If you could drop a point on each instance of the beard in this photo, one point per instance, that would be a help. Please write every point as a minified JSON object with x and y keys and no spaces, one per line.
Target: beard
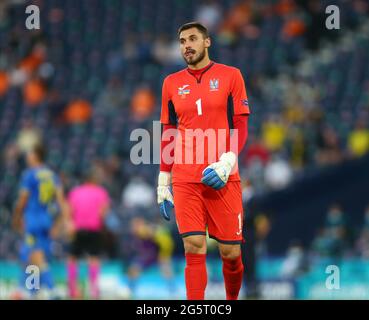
{"x":195,"y":58}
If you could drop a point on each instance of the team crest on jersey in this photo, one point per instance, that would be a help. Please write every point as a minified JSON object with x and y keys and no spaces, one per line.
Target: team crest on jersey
{"x":183,"y":91}
{"x":214,"y":84}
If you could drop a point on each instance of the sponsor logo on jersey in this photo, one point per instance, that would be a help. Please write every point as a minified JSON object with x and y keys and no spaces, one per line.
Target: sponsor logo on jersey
{"x":245,"y":102}
{"x":182,"y":91}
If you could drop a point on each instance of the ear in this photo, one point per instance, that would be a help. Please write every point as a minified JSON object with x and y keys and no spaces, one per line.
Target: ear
{"x":207,"y":42}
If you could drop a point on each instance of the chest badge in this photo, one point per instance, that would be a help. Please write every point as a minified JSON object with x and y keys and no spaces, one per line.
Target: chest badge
{"x":184,"y":90}
{"x":214,"y":84}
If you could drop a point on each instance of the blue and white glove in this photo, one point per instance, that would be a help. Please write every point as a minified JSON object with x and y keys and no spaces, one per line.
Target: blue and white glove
{"x":216,"y":175}
{"x":165,"y":197}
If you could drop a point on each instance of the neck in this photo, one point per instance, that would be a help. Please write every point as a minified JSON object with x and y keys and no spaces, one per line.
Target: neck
{"x":36,"y":164}
{"x":201,"y":64}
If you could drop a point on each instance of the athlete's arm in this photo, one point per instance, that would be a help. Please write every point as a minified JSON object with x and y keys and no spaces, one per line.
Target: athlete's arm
{"x":104,"y":211}
{"x":240,"y":123}
{"x":166,"y":156}
{"x":18,"y":210}
{"x":216,"y":175}
{"x":60,"y":199}
{"x":64,"y":217}
{"x":168,"y":119}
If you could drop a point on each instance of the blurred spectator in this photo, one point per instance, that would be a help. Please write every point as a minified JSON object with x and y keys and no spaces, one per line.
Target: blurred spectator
{"x":322,"y":244}
{"x":285,"y":7}
{"x":30,"y":63}
{"x":144,"y":47}
{"x":56,"y":106}
{"x":165,"y":243}
{"x":130,"y":47}
{"x":143,"y":103}
{"x":255,"y":159}
{"x":262,"y":229}
{"x":18,"y":77}
{"x":113,"y":97}
{"x":293,"y":27}
{"x":28,"y":136}
{"x":358,"y":139}
{"x":166,"y":52}
{"x":297,"y":147}
{"x":3,"y":7}
{"x":247,"y":190}
{"x":239,"y":16}
{"x":34,"y":92}
{"x":78,"y":111}
{"x":138,"y":193}
{"x":11,"y":155}
{"x":362,"y":243}
{"x":333,"y":239}
{"x":256,"y":151}
{"x":316,"y":23}
{"x":150,"y":244}
{"x":209,"y":14}
{"x":4,"y":83}
{"x":329,"y":150}
{"x":113,"y":175}
{"x":295,"y":262}
{"x":274,"y":133}
{"x":255,"y":172}
{"x":366,"y":218}
{"x":278,"y":173}
{"x":335,"y":217}
{"x":46,"y":71}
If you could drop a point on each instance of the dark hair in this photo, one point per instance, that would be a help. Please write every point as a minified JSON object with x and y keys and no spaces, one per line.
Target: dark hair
{"x":88,"y":175}
{"x":194,"y":24}
{"x":40,"y":151}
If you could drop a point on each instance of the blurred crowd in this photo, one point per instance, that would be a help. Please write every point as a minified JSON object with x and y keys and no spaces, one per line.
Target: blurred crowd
{"x":336,"y":239}
{"x":93,"y":73}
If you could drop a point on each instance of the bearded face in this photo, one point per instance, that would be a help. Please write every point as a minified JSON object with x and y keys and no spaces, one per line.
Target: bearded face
{"x":193,"y":57}
{"x":193,"y":46}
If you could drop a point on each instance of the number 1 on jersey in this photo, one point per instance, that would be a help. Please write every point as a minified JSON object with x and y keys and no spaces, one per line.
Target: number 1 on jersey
{"x":239,"y":224}
{"x":199,"y":109}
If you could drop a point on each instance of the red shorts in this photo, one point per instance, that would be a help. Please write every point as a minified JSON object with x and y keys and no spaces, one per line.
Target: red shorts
{"x":198,"y":206}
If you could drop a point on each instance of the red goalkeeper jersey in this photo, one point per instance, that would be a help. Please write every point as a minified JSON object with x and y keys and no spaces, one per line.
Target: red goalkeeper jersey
{"x":202,"y":105}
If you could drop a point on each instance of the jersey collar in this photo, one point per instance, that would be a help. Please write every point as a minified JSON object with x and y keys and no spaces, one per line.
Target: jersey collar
{"x":200,"y":72}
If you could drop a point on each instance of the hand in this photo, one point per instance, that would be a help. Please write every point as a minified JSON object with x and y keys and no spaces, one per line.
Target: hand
{"x":68,"y":229}
{"x":216,"y":175}
{"x":165,"y":197}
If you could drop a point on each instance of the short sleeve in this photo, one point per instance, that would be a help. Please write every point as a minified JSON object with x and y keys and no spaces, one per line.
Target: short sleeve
{"x":26,"y":181}
{"x":239,"y":95}
{"x":168,"y":115}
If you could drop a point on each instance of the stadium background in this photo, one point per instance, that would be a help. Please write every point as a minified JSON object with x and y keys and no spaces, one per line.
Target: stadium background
{"x":93,"y":73}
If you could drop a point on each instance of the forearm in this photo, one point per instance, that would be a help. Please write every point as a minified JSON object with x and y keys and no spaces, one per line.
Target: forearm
{"x":18,"y":211}
{"x":166,"y":158}
{"x":17,"y":216}
{"x":240,"y":123}
{"x":17,"y":219}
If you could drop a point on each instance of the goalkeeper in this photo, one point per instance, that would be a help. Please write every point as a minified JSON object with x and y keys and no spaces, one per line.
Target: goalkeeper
{"x":204,"y":188}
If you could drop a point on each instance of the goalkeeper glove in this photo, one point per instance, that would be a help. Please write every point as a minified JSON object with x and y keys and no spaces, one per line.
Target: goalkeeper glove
{"x":216,"y":175}
{"x":165,"y":197}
